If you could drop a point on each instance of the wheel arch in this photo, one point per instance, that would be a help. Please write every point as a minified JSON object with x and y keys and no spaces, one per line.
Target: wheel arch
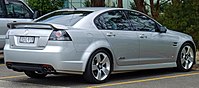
{"x":93,"y":48}
{"x":194,"y":48}
{"x":190,"y":42}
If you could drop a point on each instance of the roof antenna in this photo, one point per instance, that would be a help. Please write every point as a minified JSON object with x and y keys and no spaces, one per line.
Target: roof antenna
{"x":73,"y":6}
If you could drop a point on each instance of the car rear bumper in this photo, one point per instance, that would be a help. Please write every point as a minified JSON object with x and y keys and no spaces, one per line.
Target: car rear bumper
{"x":39,"y":68}
{"x":62,"y":59}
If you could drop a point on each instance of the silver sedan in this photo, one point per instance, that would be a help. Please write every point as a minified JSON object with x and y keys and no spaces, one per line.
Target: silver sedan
{"x":95,"y":42}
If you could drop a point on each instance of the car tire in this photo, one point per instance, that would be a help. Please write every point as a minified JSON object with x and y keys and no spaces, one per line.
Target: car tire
{"x":186,"y":57}
{"x":32,"y":74}
{"x":99,"y":67}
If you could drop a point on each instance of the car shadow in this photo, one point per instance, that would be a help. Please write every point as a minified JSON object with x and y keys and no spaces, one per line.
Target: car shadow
{"x":77,"y":80}
{"x":144,"y":74}
{"x":1,"y":61}
{"x":1,"y":58}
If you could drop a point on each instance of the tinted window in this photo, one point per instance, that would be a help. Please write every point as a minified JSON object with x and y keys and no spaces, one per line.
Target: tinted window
{"x":112,"y":20}
{"x":67,"y":18}
{"x":141,"y":22}
{"x":17,"y":10}
{"x":2,"y":13}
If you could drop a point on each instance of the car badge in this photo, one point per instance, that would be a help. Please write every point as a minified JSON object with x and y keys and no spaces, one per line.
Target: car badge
{"x":26,"y":32}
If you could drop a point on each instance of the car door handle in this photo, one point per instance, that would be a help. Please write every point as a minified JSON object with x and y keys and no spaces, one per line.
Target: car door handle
{"x":143,"y":36}
{"x":110,"y":34}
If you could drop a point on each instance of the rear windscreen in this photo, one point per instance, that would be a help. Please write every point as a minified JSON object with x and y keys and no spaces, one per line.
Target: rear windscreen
{"x":67,"y":18}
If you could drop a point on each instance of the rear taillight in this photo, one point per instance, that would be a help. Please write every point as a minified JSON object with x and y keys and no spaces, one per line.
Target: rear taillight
{"x":60,"y":35}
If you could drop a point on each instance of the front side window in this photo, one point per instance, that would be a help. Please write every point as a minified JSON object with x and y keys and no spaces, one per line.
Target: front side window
{"x":17,"y":10}
{"x":141,"y":22}
{"x":67,"y":18}
{"x":112,"y":20}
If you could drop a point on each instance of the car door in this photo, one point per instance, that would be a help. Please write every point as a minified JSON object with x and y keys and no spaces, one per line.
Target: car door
{"x":155,"y":47}
{"x":2,"y":26}
{"x":13,"y":11}
{"x":121,"y":37}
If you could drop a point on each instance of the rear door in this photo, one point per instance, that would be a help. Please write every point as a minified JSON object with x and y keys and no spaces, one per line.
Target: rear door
{"x":13,"y":11}
{"x":121,"y":37}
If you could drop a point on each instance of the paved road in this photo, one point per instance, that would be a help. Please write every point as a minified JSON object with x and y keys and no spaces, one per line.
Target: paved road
{"x":157,"y":78}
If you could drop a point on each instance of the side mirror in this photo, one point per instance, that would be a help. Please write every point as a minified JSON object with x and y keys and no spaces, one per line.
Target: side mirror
{"x":36,"y":14}
{"x":163,"y":29}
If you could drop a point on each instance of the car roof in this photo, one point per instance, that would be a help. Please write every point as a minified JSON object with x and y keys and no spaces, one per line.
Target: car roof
{"x":91,"y":9}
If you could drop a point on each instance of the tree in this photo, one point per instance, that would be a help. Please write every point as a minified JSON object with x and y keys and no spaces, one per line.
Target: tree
{"x":154,"y":6}
{"x":155,"y":9}
{"x":97,"y":3}
{"x":140,"y":6}
{"x":87,"y":3}
{"x":175,"y":2}
{"x":182,"y":16}
{"x":45,"y":6}
{"x":120,"y":4}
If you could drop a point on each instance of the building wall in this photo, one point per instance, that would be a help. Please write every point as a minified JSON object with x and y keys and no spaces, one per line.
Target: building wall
{"x":108,"y":3}
{"x":80,"y":3}
{"x":75,"y":3}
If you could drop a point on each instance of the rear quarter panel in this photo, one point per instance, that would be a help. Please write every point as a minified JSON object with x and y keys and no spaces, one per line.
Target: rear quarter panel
{"x":86,"y":42}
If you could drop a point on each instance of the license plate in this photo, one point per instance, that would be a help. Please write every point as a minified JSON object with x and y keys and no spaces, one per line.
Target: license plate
{"x":27,"y":39}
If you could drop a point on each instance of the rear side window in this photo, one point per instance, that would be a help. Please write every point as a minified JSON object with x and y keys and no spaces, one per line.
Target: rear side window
{"x":112,"y":20}
{"x":67,"y":18}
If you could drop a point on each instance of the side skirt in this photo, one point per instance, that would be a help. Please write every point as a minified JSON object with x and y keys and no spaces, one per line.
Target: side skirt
{"x":145,"y":66}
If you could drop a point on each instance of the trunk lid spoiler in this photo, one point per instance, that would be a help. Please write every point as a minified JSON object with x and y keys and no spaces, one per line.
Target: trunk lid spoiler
{"x":35,"y":25}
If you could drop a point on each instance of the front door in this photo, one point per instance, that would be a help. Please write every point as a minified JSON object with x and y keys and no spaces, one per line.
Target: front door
{"x":155,"y":47}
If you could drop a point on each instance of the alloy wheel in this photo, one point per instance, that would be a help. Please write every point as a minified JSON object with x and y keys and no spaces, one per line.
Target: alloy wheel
{"x":101,"y":66}
{"x":187,"y":57}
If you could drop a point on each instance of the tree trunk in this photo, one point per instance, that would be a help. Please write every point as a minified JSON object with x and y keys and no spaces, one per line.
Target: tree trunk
{"x":155,"y":10}
{"x":97,"y":3}
{"x":140,"y":5}
{"x":156,"y":14}
{"x":152,"y":8}
{"x":120,"y":4}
